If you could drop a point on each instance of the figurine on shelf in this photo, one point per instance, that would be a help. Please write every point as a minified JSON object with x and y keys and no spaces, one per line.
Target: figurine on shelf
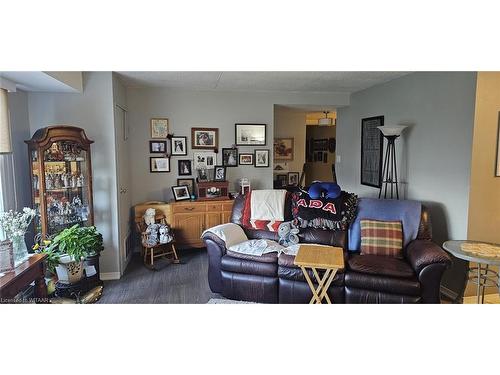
{"x":74,"y":181}
{"x":49,"y":181}
{"x":79,"y":181}
{"x":57,"y":181}
{"x":54,"y":153}
{"x":66,"y":180}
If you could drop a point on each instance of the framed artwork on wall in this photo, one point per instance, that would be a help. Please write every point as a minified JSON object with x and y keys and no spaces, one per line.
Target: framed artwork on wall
{"x":184,"y":168}
{"x":159,"y":128}
{"x":205,"y":160}
{"x":246,"y":159}
{"x":230,"y":157}
{"x":189,"y":182}
{"x":204,"y":138}
{"x":320,"y":145}
{"x":283,"y":148}
{"x":261,"y":158}
{"x":157,"y":147}
{"x":372,"y":144}
{"x":250,"y":134}
{"x":159,"y":165}
{"x":219,"y":173}
{"x":179,"y":146}
{"x":293,"y":178}
{"x":282,"y":180}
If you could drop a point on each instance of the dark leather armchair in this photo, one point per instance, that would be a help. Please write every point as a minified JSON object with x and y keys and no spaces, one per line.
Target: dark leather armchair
{"x":366,"y":279}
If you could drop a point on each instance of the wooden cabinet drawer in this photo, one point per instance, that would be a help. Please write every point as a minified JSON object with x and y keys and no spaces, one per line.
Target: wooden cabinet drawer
{"x":187,"y":208}
{"x":211,"y":207}
{"x":227,"y":206}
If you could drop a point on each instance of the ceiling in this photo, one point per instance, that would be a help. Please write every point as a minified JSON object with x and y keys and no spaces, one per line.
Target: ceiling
{"x":260,"y":81}
{"x":37,"y":82}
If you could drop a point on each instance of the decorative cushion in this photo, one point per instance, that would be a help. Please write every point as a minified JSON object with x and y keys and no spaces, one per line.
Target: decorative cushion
{"x":380,"y":265}
{"x":381,"y":238}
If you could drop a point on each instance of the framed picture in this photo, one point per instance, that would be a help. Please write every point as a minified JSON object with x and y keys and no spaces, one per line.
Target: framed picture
{"x":320,"y":156}
{"x":250,"y":134}
{"x":157,"y":147}
{"x":189,"y":182}
{"x":159,"y":165}
{"x":181,"y":193}
{"x":372,"y":144}
{"x":325,"y":157}
{"x":205,"y":160}
{"x":219,"y":173}
{"x":159,"y":128}
{"x":204,"y":138}
{"x":179,"y":146}
{"x":184,"y":168}
{"x":332,"y":145}
{"x":230,"y":157}
{"x":283,"y":148}
{"x":282,"y":180}
{"x":293,"y":178}
{"x":320,"y":145}
{"x":202,"y":175}
{"x":246,"y":159}
{"x":261,"y":158}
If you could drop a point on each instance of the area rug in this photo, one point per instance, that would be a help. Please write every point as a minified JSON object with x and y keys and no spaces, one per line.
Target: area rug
{"x":223,"y":301}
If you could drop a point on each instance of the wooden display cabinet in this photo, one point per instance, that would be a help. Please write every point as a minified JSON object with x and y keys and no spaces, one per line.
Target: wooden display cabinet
{"x":61,"y":179}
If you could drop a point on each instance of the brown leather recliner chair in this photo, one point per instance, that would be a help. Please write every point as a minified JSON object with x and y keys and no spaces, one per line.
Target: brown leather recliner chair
{"x":366,"y":278}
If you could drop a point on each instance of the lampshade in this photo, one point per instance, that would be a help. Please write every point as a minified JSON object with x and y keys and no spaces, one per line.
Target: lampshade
{"x":392,"y":131}
{"x":5,"y":137}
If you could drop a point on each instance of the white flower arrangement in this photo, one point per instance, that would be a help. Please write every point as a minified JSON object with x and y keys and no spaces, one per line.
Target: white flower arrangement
{"x":15,"y":224}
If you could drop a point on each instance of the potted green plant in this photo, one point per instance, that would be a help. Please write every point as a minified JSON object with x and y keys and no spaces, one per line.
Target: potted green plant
{"x":68,"y":250}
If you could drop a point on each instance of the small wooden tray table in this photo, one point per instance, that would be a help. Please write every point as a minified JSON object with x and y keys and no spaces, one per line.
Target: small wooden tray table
{"x":328,"y":258}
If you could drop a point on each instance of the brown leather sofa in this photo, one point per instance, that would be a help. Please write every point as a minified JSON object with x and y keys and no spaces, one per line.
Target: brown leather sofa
{"x":366,"y":278}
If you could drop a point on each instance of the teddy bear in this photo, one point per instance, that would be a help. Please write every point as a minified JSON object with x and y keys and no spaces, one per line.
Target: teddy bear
{"x":288,"y":233}
{"x":165,"y":236}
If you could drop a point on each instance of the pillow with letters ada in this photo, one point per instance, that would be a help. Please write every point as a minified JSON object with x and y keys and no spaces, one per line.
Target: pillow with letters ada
{"x":381,"y":238}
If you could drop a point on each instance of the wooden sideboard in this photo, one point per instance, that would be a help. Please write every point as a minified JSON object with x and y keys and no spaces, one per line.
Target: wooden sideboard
{"x":189,"y":219}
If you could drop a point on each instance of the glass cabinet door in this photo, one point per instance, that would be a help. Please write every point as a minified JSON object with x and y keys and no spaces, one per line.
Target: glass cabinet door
{"x":66,"y":175}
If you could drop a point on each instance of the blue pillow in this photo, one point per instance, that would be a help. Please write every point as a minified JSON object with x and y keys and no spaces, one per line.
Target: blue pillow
{"x":331,"y":189}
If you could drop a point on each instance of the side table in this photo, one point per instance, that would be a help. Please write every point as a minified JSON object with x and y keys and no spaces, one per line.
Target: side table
{"x":33,"y":269}
{"x":471,"y":251}
{"x":327,"y":258}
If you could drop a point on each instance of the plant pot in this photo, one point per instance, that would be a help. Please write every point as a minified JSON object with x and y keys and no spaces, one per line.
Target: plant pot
{"x":69,"y":271}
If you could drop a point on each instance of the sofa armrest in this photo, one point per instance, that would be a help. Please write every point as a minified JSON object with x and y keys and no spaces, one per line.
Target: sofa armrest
{"x":220,"y":243}
{"x":422,"y":253}
{"x":216,"y":249}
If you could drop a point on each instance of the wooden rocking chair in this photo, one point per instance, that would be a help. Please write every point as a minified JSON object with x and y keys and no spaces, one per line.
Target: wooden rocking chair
{"x":150,"y":252}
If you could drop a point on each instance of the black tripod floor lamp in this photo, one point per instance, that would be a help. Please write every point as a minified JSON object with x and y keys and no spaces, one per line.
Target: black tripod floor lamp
{"x":390,"y":171}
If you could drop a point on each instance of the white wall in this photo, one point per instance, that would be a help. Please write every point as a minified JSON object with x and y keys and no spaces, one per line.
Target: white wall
{"x":435,"y":152}
{"x":187,"y":109}
{"x":93,"y":111}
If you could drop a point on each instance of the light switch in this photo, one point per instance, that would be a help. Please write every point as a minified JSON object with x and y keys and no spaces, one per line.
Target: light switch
{"x":337,"y":159}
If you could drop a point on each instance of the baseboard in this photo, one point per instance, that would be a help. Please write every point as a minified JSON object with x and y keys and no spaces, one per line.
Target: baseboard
{"x":110,"y":275}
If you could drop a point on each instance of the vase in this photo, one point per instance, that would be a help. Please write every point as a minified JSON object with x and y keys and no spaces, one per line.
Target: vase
{"x":20,"y":249}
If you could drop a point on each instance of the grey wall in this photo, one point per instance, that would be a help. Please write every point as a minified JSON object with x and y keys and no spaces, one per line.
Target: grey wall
{"x":93,"y":111}
{"x":434,"y":153}
{"x":213,"y":109}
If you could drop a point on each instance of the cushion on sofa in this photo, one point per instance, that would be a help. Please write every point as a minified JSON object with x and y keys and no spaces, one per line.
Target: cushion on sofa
{"x":381,"y":283}
{"x":381,"y":238}
{"x":380,"y":265}
{"x":248,"y":266}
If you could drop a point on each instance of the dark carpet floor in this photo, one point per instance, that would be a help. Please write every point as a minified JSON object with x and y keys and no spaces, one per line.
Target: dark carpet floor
{"x":172,"y":283}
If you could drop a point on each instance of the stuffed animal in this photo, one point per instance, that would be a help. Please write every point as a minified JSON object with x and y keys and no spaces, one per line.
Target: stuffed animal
{"x":152,"y":234}
{"x":149,"y":216}
{"x":165,"y":236}
{"x":288,"y":233}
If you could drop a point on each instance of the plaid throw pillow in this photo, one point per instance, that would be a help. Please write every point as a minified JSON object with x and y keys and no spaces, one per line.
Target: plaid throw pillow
{"x":382,"y":238}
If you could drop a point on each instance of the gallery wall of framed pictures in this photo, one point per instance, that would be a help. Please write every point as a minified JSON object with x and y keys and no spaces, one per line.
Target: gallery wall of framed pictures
{"x":203,"y":165}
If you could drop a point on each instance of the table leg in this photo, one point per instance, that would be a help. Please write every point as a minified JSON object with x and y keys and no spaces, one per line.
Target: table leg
{"x":327,"y":285}
{"x":321,"y":285}
{"x":478,"y":283}
{"x":315,"y":297}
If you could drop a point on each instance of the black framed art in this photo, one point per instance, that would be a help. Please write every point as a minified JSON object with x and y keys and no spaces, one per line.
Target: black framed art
{"x":230,"y":157}
{"x":184,"y":167}
{"x":372,"y":146}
